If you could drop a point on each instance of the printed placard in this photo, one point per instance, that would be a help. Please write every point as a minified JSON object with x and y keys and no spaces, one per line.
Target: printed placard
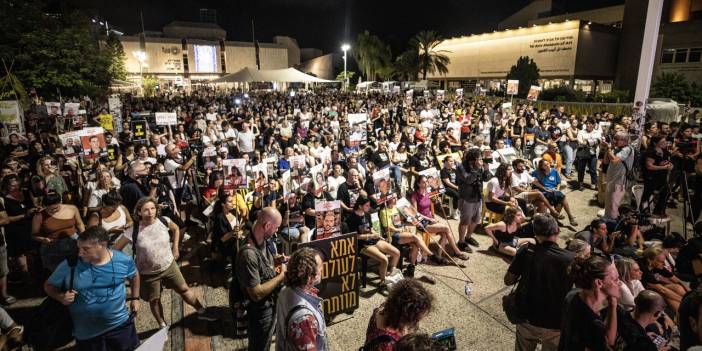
{"x":434,"y":183}
{"x":138,"y":130}
{"x":235,"y":173}
{"x":166,"y":118}
{"x":512,"y":87}
{"x":339,"y":288}
{"x":383,"y":186}
{"x":93,"y":142}
{"x":260,"y":174}
{"x":533,"y":94}
{"x":328,"y":219}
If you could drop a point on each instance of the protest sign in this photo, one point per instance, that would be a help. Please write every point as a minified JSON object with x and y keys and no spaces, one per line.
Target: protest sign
{"x":434,"y":183}
{"x":383,"y":186}
{"x":115,"y":108}
{"x":166,"y":118}
{"x":459,"y":93}
{"x":533,"y":94}
{"x":440,"y":95}
{"x":235,"y":173}
{"x":339,"y":289}
{"x":512,"y":87}
{"x":11,"y":118}
{"x":298,"y":164}
{"x":138,"y":130}
{"x":356,"y":119}
{"x":53,"y":108}
{"x":93,"y":142}
{"x":285,"y":182}
{"x":72,"y":145}
{"x":328,"y":218}
{"x":260,"y":175}
{"x":318,"y":178}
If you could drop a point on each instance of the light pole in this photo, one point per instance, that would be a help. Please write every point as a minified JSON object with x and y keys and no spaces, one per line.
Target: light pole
{"x":141,"y":58}
{"x":345,"y":48}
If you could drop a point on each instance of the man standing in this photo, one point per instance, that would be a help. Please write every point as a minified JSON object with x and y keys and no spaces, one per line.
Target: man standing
{"x":471,"y":175}
{"x":300,"y":322}
{"x":620,"y":160}
{"x":544,"y":283}
{"x":258,"y":278}
{"x":96,"y":303}
{"x":134,"y":188}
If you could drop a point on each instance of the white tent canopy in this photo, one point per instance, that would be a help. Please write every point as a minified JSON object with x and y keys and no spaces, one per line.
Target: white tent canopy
{"x":288,"y":75}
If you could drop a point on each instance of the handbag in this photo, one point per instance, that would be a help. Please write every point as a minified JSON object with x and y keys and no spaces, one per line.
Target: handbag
{"x":511,"y":301}
{"x":583,"y":153}
{"x":52,"y":326}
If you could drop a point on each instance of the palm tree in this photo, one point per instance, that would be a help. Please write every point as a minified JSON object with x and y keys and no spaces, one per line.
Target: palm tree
{"x":407,"y":64}
{"x":430,"y":59}
{"x":372,"y":55}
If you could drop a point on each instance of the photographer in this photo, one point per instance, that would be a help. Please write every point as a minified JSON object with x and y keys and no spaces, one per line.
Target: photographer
{"x":620,"y":160}
{"x":137,"y":185}
{"x":470,"y":177}
{"x":588,"y":139}
{"x":164,"y":193}
{"x":176,"y":163}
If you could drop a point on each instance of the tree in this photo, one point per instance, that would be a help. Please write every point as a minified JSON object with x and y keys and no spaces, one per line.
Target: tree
{"x":407,"y":64}
{"x":115,"y":53}
{"x":57,"y":55}
{"x":526,"y":72}
{"x":430,"y":59}
{"x":371,"y":54}
{"x":341,"y":77}
{"x":671,"y":85}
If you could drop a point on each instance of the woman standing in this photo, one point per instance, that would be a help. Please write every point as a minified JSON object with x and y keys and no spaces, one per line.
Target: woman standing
{"x":503,"y":233}
{"x":655,"y":172}
{"x":571,"y":144}
{"x":225,"y":228}
{"x":20,"y":209}
{"x":56,"y":228}
{"x":47,"y":169}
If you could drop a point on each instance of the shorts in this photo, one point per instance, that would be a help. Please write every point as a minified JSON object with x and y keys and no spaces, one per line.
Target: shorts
{"x":554,"y":198}
{"x":4,"y":270}
{"x":150,"y":286}
{"x":123,"y":337}
{"x":512,"y":243}
{"x":395,"y":239}
{"x":470,"y":212}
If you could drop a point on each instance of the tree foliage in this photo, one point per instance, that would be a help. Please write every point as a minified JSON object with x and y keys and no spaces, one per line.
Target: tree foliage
{"x":57,"y":55}
{"x":341,"y":77}
{"x":429,"y":58}
{"x":407,"y":64}
{"x":372,"y":55}
{"x":672,"y":85}
{"x":527,"y":72}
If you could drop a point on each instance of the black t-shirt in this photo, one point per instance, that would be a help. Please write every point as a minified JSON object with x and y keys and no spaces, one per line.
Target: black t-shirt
{"x":419,"y":164}
{"x":448,"y":173}
{"x":358,"y":224}
{"x":582,"y":329}
{"x":346,"y":194}
{"x":657,"y":176}
{"x":308,"y":202}
{"x":131,"y":193}
{"x":381,"y":159}
{"x":654,"y":275}
{"x":547,"y":283}
{"x":556,"y":132}
{"x":633,"y":335}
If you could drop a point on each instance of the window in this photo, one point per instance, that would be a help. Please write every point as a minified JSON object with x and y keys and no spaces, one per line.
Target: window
{"x":695,"y":55}
{"x":667,"y":56}
{"x":680,"y":55}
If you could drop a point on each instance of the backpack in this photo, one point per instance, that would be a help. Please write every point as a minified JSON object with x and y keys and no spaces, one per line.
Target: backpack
{"x":52,"y":326}
{"x":377,"y":341}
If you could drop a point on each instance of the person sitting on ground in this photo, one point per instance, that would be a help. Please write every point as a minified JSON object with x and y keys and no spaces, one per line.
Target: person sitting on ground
{"x":406,"y":305}
{"x":629,"y":281}
{"x":421,"y":200}
{"x":580,"y":248}
{"x":657,"y":278}
{"x":371,"y":244}
{"x":418,"y":342}
{"x":596,"y":236}
{"x":503,"y":232}
{"x":549,"y":182}
{"x":690,"y":320}
{"x":635,"y":327}
{"x":391,"y":221}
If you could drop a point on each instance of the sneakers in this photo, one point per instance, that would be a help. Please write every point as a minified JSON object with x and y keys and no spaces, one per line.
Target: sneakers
{"x":573,"y":222}
{"x":470,"y":240}
{"x":464,"y":247}
{"x":409,"y":271}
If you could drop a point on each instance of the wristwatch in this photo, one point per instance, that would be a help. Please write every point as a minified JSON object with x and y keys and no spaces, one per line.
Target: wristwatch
{"x":133,"y":298}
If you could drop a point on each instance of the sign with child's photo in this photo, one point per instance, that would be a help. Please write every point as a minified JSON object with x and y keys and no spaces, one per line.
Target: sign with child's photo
{"x":328,"y":219}
{"x":235,"y":173}
{"x":434,"y":183}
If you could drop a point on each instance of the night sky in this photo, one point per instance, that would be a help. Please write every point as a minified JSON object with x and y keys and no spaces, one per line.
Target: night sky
{"x":322,"y":24}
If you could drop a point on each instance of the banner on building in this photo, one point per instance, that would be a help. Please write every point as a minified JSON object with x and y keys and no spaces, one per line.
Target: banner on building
{"x":339,"y":288}
{"x":512,"y":87}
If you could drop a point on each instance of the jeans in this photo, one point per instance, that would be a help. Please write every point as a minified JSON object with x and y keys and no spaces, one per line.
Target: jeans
{"x":591,"y":164}
{"x":291,"y":233}
{"x":261,"y":326}
{"x":569,"y":156}
{"x":397,"y":174}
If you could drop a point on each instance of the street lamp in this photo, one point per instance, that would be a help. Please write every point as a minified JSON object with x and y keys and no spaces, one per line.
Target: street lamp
{"x":140,"y":56}
{"x":345,"y":48}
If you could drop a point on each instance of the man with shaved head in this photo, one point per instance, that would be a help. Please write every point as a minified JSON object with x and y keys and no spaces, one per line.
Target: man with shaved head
{"x":259,"y":279}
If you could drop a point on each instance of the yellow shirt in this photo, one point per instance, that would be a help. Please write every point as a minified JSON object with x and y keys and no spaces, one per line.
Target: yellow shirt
{"x":105,"y":121}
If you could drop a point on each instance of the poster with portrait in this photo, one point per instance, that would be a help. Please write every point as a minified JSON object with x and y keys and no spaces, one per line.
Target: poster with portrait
{"x":93,"y":142}
{"x":434,"y":183}
{"x":357,"y":120}
{"x":512,"y":87}
{"x":72,"y":145}
{"x":459,"y":93}
{"x":70,"y":109}
{"x":440,"y":95}
{"x":235,"y":173}
{"x":358,"y":138}
{"x":383,"y":186}
{"x":11,"y":118}
{"x":270,"y":163}
{"x":408,"y":211}
{"x":409,"y":96}
{"x":328,"y":219}
{"x":298,"y":165}
{"x":115,"y":107}
{"x":260,"y":176}
{"x":53,"y":109}
{"x":534,"y":92}
{"x":318,"y":178}
{"x":285,"y":183}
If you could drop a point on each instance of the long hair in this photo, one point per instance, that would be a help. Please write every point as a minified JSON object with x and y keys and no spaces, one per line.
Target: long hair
{"x":501,"y":175}
{"x":509,"y":215}
{"x":624,"y":266}
{"x":583,"y":272}
{"x":142,"y":202}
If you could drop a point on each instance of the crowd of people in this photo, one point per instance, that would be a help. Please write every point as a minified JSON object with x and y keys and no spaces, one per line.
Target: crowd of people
{"x":253,"y":168}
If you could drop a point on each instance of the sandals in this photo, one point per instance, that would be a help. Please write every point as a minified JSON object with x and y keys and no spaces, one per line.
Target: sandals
{"x":463,"y":256}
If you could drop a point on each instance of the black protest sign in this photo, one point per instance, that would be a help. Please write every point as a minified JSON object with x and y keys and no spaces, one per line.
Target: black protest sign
{"x":111,"y":153}
{"x":138,"y":130}
{"x":339,"y":287}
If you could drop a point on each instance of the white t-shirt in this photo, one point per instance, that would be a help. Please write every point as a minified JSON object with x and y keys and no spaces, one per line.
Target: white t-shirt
{"x":153,"y":248}
{"x":211,"y":116}
{"x":493,"y":186}
{"x":521,"y":180}
{"x":333,"y":184}
{"x":173,"y":166}
{"x":246,"y":142}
